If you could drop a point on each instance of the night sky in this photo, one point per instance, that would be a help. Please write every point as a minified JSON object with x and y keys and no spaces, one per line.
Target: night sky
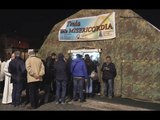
{"x":36,"y":24}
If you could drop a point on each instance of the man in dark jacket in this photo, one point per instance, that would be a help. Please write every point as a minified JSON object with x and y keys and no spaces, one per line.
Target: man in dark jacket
{"x":69,"y":92}
{"x":90,"y":68}
{"x":109,"y":73}
{"x":79,"y":73}
{"x":50,"y":77}
{"x":17,"y":70}
{"x":61,"y":79}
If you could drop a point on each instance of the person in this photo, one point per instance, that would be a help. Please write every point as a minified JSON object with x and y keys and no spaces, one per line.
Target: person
{"x":70,"y":80}
{"x":0,"y":65}
{"x":8,"y":86}
{"x":109,"y":73}
{"x":0,"y":62}
{"x":1,"y":80}
{"x":44,"y":88}
{"x":90,"y":68}
{"x":25,"y":91}
{"x":17,"y":70}
{"x":35,"y":71}
{"x":79,"y":73}
{"x":96,"y":80}
{"x":61,"y":79}
{"x":2,"y":74}
{"x":50,"y":77}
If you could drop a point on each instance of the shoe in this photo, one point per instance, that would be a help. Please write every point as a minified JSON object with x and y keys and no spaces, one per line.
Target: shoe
{"x":42,"y":92}
{"x":57,"y":103}
{"x":68,"y":100}
{"x":75,"y":99}
{"x":30,"y":107}
{"x":63,"y":103}
{"x":110,"y":97}
{"x":82,"y":100}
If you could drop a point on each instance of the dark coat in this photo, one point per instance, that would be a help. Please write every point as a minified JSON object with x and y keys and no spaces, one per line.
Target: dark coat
{"x":50,"y":63}
{"x":108,"y":74}
{"x":50,"y":69}
{"x":61,"y":70}
{"x":90,"y":66}
{"x":69,"y":62}
{"x":17,"y":70}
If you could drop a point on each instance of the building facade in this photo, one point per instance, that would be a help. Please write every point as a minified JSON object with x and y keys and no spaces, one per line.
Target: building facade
{"x":9,"y":44}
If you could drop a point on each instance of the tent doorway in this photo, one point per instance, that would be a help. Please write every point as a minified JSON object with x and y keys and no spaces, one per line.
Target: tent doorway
{"x":93,"y":53}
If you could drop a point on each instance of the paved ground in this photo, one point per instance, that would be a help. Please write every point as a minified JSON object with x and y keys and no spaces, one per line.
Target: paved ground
{"x":93,"y":104}
{"x":90,"y":105}
{"x":47,"y":107}
{"x":133,"y":104}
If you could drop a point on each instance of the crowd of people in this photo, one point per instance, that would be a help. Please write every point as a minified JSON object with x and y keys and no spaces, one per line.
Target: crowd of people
{"x":54,"y":79}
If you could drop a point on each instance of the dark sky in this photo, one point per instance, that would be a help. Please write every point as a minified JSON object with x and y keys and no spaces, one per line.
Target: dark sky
{"x":36,"y":24}
{"x":32,"y":24}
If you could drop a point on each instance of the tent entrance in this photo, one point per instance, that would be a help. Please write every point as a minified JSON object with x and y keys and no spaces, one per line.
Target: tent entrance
{"x":93,"y":53}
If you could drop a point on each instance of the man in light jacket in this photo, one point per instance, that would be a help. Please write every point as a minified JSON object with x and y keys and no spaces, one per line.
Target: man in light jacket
{"x":35,"y":71}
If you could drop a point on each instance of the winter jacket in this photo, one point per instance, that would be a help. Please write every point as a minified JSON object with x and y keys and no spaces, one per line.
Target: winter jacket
{"x":108,"y":74}
{"x":78,"y":68}
{"x":50,"y":69}
{"x":34,"y":66}
{"x":90,"y":66}
{"x":17,"y":70}
{"x":61,"y":70}
{"x":50,"y":64}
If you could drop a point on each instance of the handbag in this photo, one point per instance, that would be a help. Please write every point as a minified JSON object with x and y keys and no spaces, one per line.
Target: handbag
{"x":94,"y":75}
